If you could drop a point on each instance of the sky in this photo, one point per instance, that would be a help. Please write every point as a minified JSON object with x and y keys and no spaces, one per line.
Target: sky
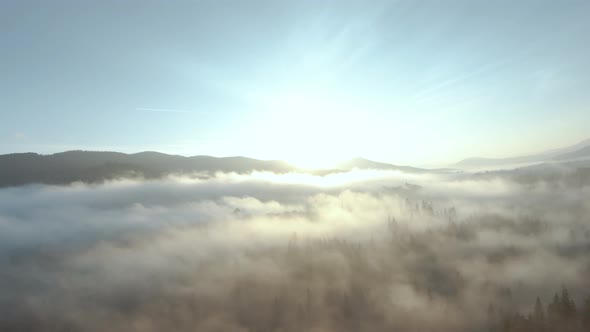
{"x":311,"y":82}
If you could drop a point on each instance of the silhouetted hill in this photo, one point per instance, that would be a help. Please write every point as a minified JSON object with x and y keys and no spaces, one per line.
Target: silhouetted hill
{"x":362,"y":163}
{"x":568,"y":173}
{"x":579,"y":150}
{"x":581,"y":153}
{"x":91,"y":166}
{"x":97,"y":166}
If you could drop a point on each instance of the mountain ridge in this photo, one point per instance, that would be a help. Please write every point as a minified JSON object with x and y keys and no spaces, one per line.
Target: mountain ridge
{"x":97,"y":166}
{"x":578,"y":150}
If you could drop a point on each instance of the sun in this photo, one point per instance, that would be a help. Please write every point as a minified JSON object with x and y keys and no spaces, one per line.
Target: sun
{"x":308,"y":131}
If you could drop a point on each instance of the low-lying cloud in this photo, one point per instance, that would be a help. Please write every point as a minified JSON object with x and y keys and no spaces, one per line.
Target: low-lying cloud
{"x":356,"y":251}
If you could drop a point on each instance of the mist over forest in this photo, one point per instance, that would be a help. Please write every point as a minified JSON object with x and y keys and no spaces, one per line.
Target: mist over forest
{"x":294,"y":166}
{"x":357,"y":250}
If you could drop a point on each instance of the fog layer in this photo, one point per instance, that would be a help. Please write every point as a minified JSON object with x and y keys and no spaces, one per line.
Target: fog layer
{"x":355,"y":251}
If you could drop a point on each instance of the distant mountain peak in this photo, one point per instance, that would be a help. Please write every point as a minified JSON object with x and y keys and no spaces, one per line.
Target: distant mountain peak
{"x":363,"y":163}
{"x":578,"y":150}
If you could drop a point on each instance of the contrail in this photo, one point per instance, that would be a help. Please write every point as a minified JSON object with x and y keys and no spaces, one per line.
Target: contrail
{"x":164,"y":110}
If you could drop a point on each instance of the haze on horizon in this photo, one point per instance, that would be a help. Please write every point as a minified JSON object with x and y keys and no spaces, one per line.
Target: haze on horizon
{"x":406,"y":82}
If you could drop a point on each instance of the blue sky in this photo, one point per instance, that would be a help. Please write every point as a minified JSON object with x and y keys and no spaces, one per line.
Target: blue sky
{"x":411,"y":82}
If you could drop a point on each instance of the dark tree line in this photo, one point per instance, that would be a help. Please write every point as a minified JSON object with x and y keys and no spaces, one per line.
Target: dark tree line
{"x":560,"y":314}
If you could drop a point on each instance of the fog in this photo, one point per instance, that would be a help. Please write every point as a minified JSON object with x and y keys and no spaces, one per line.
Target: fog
{"x":355,"y":251}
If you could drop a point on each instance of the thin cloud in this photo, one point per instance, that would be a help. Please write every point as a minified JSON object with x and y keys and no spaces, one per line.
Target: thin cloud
{"x":164,"y":110}
{"x":20,"y":136}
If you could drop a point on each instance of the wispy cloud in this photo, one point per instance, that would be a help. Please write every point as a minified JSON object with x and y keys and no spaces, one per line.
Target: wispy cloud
{"x":165,"y":110}
{"x":19,"y":136}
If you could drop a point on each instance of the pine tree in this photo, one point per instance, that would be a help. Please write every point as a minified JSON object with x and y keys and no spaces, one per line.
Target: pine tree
{"x":539,"y":315}
{"x":492,"y":318}
{"x":553,"y":315}
{"x":567,"y":305}
{"x":585,"y":314}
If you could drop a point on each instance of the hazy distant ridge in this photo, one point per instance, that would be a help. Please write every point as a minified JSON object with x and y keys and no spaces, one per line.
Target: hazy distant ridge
{"x":94,"y":166}
{"x":576,"y":151}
